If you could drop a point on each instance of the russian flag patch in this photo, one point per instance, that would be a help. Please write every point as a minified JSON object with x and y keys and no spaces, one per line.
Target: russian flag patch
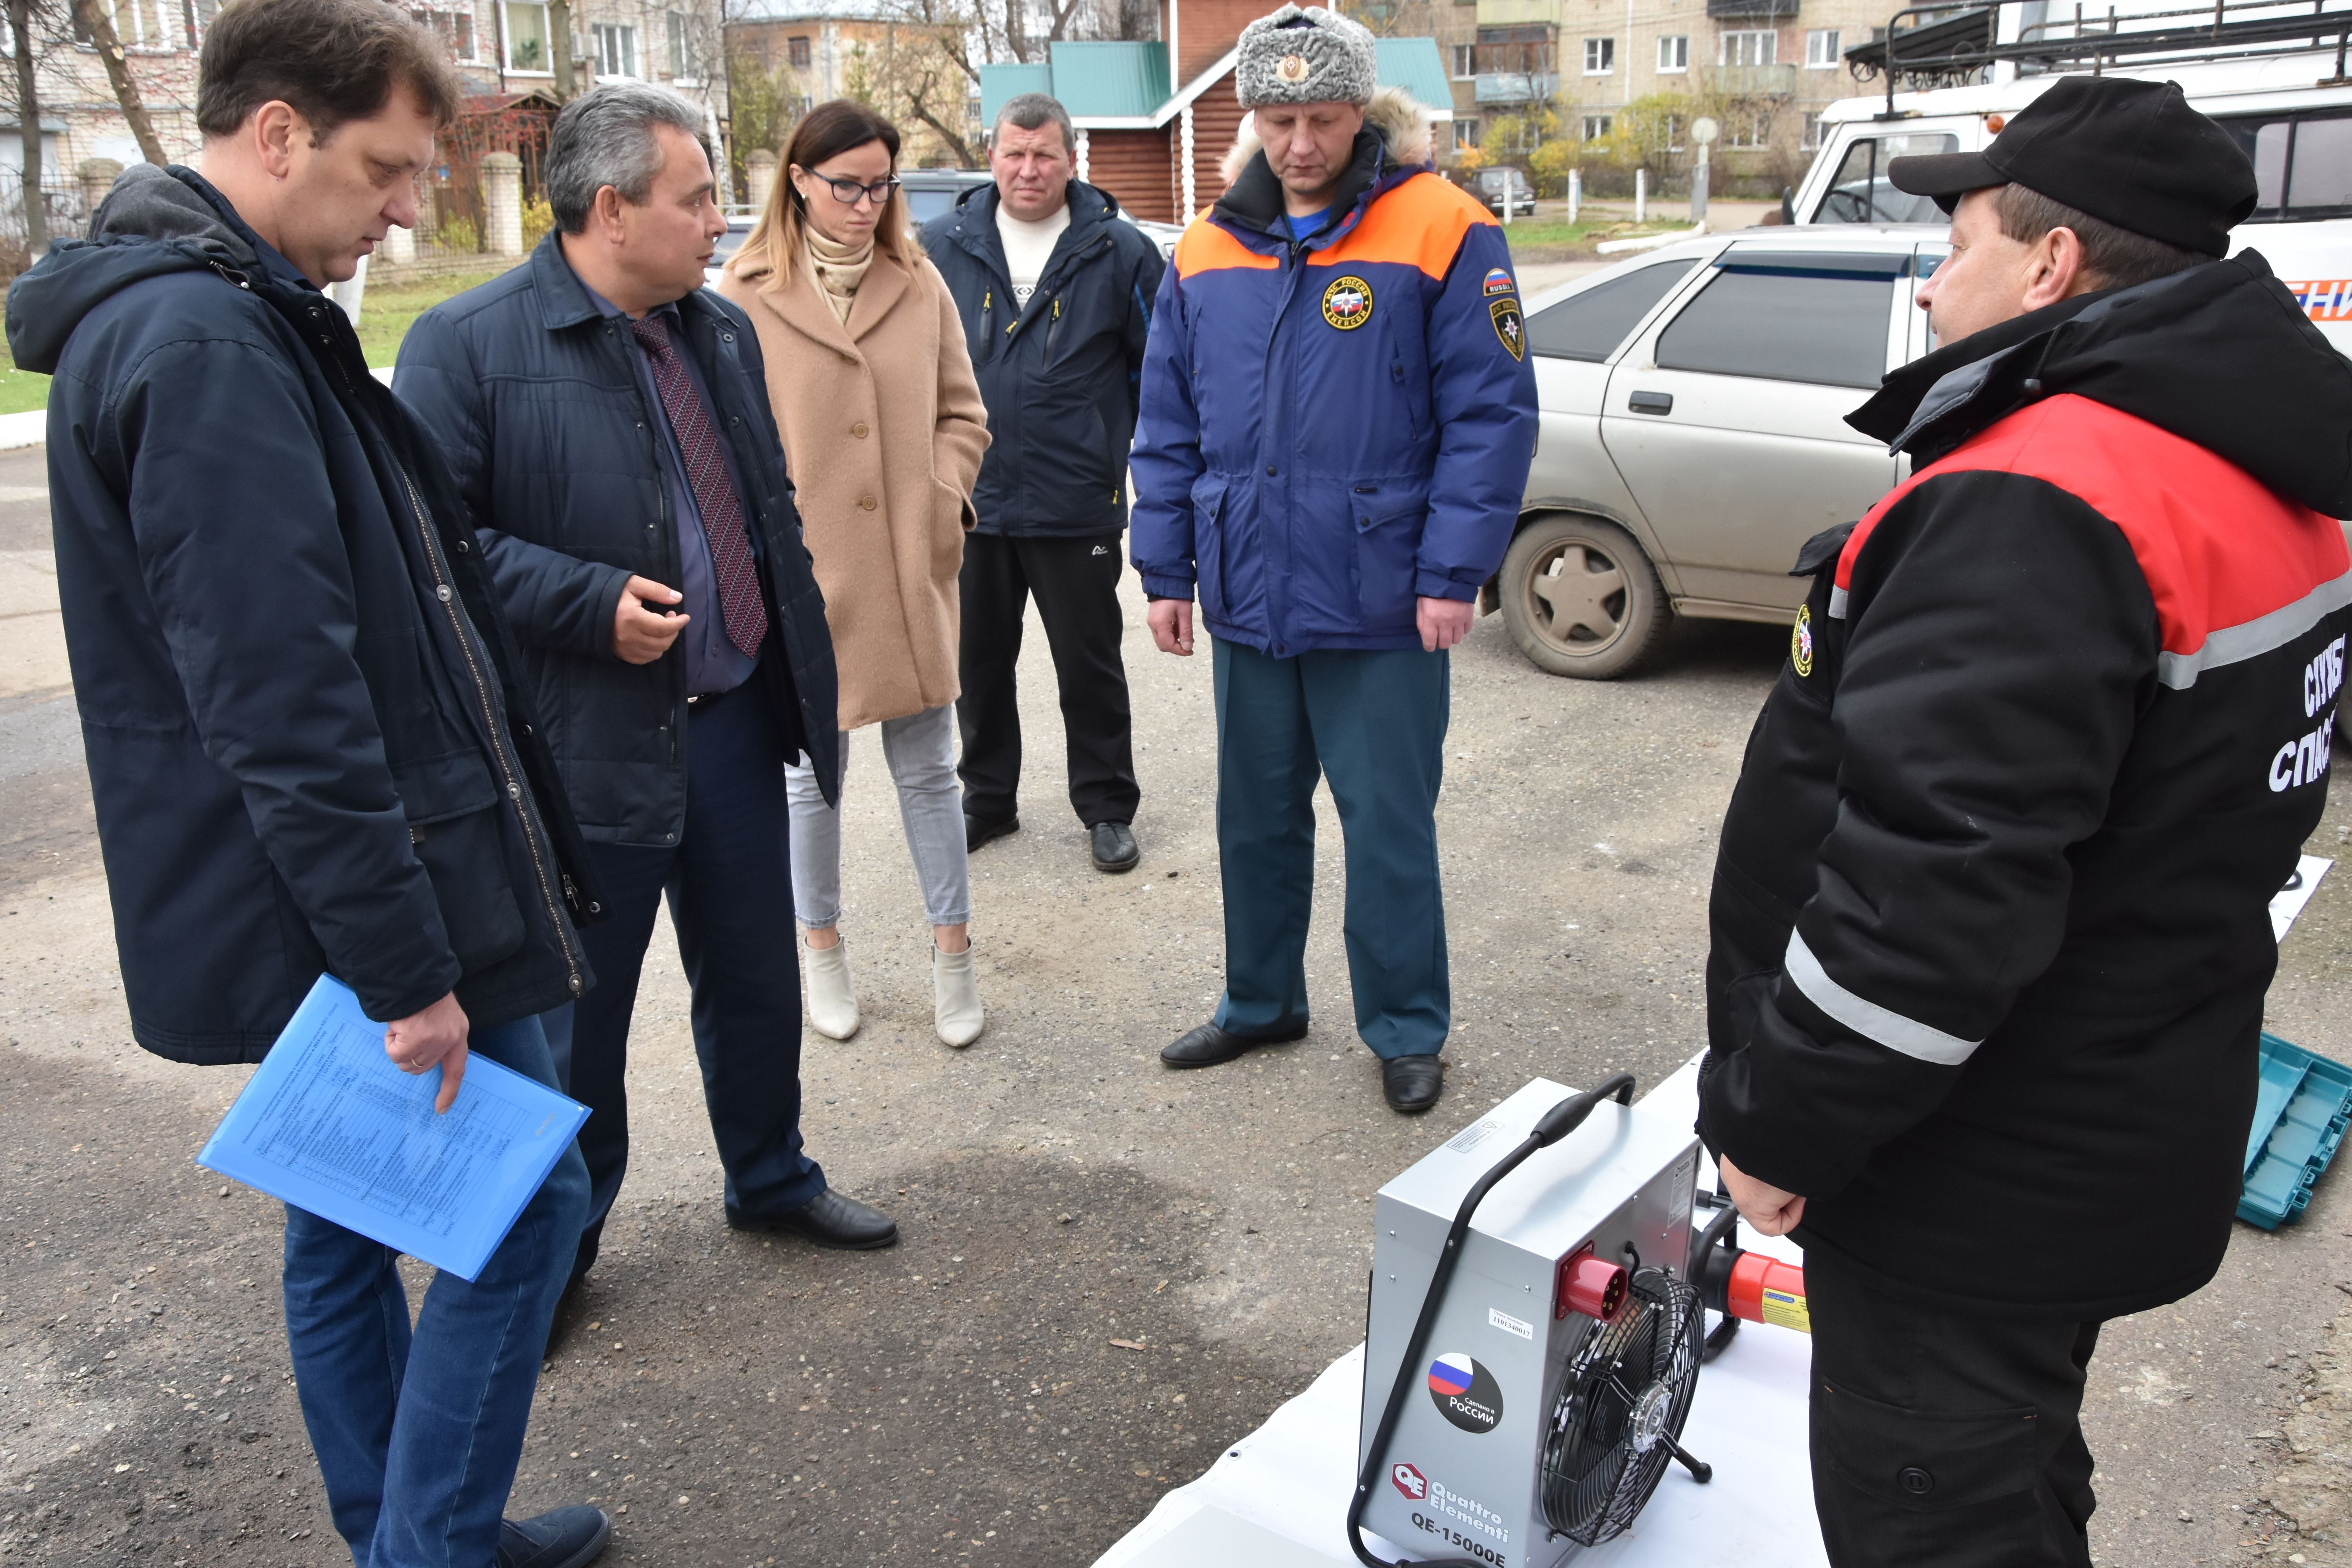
{"x":1499,"y":282}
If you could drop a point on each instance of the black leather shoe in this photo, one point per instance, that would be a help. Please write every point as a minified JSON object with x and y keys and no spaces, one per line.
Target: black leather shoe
{"x":832,"y":1220}
{"x":977,"y":833}
{"x":1207,"y":1044}
{"x":566,"y":1538}
{"x":1412,"y":1083}
{"x":1115,"y":847}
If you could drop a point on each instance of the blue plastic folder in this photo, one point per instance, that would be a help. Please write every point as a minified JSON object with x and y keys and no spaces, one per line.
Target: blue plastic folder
{"x":328,"y":1124}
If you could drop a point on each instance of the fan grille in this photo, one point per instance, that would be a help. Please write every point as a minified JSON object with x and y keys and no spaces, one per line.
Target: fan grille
{"x":1631,"y":1380}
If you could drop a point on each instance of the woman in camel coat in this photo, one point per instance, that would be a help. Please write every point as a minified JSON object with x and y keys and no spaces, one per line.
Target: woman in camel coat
{"x":883,"y":429}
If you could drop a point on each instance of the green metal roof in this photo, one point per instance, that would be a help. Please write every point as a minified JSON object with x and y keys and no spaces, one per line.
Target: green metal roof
{"x":1000,"y":83}
{"x":1122,"y":80}
{"x":1112,"y":77}
{"x":1415,"y":64}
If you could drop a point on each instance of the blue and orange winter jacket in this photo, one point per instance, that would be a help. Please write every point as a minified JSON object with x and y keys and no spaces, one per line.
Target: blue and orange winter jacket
{"x":1332,"y":430}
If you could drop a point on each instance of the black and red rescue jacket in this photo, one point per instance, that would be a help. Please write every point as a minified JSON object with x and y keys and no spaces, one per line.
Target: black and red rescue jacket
{"x":1989,"y":921}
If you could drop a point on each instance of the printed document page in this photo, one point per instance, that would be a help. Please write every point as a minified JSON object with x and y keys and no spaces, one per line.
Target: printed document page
{"x":329,"y":1124}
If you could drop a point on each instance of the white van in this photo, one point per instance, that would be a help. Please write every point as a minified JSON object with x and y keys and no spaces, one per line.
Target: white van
{"x":2297,"y":132}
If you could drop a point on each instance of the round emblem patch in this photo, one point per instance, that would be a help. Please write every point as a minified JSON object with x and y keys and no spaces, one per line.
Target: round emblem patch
{"x":1348,"y":303}
{"x":1291,"y":68}
{"x":1800,"y":642}
{"x":1465,"y":1393}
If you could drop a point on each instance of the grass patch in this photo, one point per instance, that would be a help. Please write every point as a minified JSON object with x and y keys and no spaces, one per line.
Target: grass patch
{"x":1557,"y":239}
{"x":21,"y":391}
{"x":386,"y":312}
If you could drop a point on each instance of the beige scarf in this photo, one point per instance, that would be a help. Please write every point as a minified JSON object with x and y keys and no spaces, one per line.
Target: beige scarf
{"x":837,"y":271}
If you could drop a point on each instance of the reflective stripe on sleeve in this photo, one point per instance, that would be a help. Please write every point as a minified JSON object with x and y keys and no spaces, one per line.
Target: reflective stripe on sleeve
{"x":2233,"y":644}
{"x":1868,"y":1019}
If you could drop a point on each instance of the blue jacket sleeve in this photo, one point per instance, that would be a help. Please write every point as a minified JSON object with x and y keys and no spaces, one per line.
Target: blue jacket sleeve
{"x":1167,"y":460}
{"x":276,"y":695}
{"x":554,"y":601}
{"x":1483,"y":392}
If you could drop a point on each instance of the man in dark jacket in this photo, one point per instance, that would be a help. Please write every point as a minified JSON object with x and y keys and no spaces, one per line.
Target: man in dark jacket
{"x":606,"y":420}
{"x":1989,"y":940}
{"x":1055,"y":291}
{"x":307,"y":747}
{"x":1338,"y":415}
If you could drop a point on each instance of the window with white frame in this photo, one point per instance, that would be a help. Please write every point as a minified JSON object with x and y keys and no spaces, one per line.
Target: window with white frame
{"x":1674,"y":53}
{"x":1749,"y":48}
{"x":1597,"y":126}
{"x":1822,"y":48}
{"x":1464,"y":61}
{"x":681,"y":46}
{"x":1809,"y":139}
{"x":1467,"y":131}
{"x":617,"y":49}
{"x":1747,"y":130}
{"x":1599,"y":56}
{"x":454,"y":28}
{"x":526,"y":36}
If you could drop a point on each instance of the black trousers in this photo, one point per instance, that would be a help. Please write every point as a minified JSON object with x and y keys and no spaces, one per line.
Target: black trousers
{"x":1076,"y":584}
{"x":729,"y":887}
{"x":1945,"y":1441}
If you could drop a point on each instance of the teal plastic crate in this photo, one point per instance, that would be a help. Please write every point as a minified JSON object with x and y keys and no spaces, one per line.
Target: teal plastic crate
{"x":2300,"y":1114}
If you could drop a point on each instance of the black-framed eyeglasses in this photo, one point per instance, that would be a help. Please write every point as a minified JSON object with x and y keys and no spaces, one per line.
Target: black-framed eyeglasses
{"x":846,"y":191}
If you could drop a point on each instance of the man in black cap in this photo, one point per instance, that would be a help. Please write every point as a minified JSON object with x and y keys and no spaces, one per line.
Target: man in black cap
{"x":1990,"y":938}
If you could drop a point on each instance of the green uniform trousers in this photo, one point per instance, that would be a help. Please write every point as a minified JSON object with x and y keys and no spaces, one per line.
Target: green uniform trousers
{"x":1374,"y":724}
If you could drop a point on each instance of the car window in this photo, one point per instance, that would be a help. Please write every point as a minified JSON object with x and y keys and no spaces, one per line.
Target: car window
{"x":1788,"y":317}
{"x":1860,"y":192}
{"x":924,"y":203}
{"x":1590,"y":325}
{"x":2303,"y":162}
{"x":729,"y":243}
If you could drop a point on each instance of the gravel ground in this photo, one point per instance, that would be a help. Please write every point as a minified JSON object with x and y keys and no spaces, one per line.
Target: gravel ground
{"x":1109,"y":1271}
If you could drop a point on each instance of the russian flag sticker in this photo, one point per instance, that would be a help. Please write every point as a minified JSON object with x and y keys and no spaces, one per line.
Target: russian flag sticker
{"x":1498,"y":281}
{"x":1450,"y":1375}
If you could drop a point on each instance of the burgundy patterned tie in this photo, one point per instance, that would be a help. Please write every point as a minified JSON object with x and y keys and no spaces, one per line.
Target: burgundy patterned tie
{"x":714,"y":496}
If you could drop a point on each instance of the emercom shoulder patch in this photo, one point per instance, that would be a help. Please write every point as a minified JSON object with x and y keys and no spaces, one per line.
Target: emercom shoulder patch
{"x":1508,"y":326}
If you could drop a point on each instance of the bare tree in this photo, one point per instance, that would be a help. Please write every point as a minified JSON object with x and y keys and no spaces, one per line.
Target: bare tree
{"x":92,"y":20}
{"x":28,"y":123}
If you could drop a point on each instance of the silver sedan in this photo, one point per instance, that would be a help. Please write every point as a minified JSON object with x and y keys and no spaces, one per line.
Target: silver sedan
{"x":1694,"y":432}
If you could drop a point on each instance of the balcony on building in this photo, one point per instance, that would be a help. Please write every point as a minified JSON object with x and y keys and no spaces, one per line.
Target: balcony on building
{"x":1755,"y":82}
{"x":1516,"y":87}
{"x":1740,"y":10}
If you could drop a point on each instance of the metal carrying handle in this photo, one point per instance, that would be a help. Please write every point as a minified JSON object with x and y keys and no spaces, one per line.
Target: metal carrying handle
{"x":1556,"y":1124}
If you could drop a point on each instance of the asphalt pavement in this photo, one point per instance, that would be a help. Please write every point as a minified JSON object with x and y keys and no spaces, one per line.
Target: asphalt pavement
{"x":1109,"y":1272}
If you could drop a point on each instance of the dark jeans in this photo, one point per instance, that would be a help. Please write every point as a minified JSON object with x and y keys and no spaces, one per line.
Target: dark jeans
{"x":1374,"y":724}
{"x":1945,"y":1441}
{"x":1076,"y":584}
{"x":730,"y":898}
{"x":417,"y":1433}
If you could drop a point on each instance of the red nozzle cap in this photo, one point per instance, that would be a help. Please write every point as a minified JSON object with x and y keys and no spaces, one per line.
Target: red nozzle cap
{"x":1591,"y":1286}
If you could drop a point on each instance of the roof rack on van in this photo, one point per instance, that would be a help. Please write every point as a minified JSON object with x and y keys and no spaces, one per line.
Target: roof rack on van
{"x":1951,"y":45}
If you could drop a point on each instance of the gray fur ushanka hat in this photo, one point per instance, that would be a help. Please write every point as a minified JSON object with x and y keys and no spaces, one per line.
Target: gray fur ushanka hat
{"x":1306,"y":56}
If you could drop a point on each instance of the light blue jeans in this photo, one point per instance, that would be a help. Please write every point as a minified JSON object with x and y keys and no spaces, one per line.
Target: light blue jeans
{"x":922,"y":752}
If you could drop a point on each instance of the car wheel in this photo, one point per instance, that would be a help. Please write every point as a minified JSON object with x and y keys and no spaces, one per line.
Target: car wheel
{"x":1581,"y":598}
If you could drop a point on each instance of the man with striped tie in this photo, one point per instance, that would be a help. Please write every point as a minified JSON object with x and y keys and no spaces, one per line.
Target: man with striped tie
{"x":607,"y":421}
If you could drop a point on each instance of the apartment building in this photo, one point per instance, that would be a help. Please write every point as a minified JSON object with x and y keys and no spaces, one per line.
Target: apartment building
{"x":1763,"y":69}
{"x":506,"y":51}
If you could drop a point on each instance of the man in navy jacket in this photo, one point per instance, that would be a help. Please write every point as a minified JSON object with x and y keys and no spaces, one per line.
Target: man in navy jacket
{"x":308,"y":746}
{"x":1055,"y":288}
{"x":1335,"y":497}
{"x":606,"y":420}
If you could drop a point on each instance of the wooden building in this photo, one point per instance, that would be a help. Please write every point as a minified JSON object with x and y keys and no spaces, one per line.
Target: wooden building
{"x":1155,"y":120}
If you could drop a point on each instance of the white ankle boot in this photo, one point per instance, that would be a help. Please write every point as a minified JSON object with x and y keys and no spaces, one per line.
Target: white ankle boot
{"x":955,"y":997}
{"x":831,"y":1003}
